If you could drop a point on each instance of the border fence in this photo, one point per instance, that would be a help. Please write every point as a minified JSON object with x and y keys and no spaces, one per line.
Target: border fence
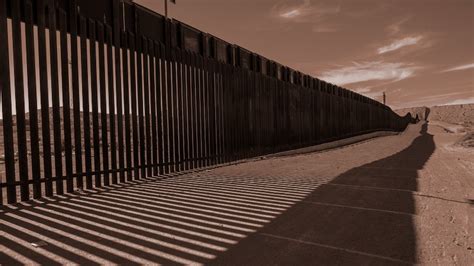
{"x":103,"y":92}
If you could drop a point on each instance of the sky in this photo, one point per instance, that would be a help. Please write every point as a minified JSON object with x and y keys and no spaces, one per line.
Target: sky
{"x":420,"y":52}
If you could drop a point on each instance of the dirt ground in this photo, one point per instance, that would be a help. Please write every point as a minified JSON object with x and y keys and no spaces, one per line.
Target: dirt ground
{"x":392,"y":200}
{"x":452,"y":118}
{"x":457,"y":116}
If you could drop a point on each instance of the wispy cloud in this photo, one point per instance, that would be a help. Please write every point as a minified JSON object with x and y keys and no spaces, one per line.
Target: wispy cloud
{"x":399,"y":44}
{"x":362,"y":90}
{"x":457,"y":68}
{"x":461,"y":101}
{"x":439,"y":99}
{"x":291,"y":11}
{"x":396,"y":27}
{"x":305,"y":11}
{"x":367,"y":71}
{"x":367,"y":91}
{"x":291,"y":14}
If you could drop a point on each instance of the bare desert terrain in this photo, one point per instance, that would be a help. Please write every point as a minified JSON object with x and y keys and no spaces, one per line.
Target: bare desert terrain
{"x":456,"y":119}
{"x":400,"y":199}
{"x":40,"y":136}
{"x":393,"y":200}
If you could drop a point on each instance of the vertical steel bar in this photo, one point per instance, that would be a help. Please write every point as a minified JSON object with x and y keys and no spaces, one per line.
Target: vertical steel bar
{"x":207,"y":101}
{"x":153,"y":110}
{"x":169,"y":108}
{"x":133,"y":91}
{"x":56,"y":103}
{"x":197,"y":110}
{"x":179,"y":110}
{"x":117,"y":17}
{"x":94,"y":97}
{"x":126,"y":103}
{"x":174,"y":113}
{"x":140,"y":105}
{"x":193,"y":117}
{"x":205,"y":109}
{"x":200,"y":112}
{"x":73,"y":20}
{"x":158,"y":99}
{"x":5,"y":91}
{"x":186,"y":109}
{"x":220,"y":100}
{"x":146,"y":106}
{"x":165,"y":75}
{"x":66,"y":102}
{"x":85,"y":102}
{"x":19,"y":99}
{"x":103,"y":104}
{"x":33,"y":106}
{"x":111,"y":103}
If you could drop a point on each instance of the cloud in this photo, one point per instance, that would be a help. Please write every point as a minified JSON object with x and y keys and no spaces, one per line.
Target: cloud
{"x":291,"y":14}
{"x":367,"y":91}
{"x":399,"y":44}
{"x":396,"y":27}
{"x":440,"y":99}
{"x":367,"y":71}
{"x":286,"y":11}
{"x":461,"y":101}
{"x":303,"y":12}
{"x":462,"y":67}
{"x":362,"y":90}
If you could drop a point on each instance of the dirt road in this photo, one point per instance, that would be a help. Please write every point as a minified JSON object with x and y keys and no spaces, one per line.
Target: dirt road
{"x":399,"y":199}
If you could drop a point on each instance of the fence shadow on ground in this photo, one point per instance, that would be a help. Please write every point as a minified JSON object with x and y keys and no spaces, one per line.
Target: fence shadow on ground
{"x":188,"y":219}
{"x":364,"y":215}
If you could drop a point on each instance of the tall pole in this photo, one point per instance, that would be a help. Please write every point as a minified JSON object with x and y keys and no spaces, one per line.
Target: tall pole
{"x":384,"y":98}
{"x":166,"y":8}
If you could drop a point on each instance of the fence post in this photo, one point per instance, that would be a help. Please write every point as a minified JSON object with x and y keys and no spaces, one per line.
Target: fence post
{"x":6,"y":108}
{"x":66,"y":103}
{"x":55,"y":97}
{"x":33,"y":106}
{"x":118,"y":86}
{"x":94,"y":97}
{"x":85,"y":102}
{"x":20,"y":99}
{"x":188,"y":108}
{"x":73,"y":21}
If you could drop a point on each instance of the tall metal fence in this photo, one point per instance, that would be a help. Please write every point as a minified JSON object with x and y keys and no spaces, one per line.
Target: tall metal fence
{"x":102,"y":92}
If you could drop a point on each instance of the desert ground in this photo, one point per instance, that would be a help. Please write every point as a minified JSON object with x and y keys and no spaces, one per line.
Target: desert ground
{"x":400,"y":199}
{"x":15,"y":142}
{"x":456,"y":119}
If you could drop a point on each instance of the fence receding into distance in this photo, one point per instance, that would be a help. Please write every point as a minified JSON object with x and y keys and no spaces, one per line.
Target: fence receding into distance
{"x":102,"y":92}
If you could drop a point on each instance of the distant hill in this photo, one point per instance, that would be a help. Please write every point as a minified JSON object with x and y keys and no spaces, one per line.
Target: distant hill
{"x":462,"y":114}
{"x":453,"y":118}
{"x":454,"y":114}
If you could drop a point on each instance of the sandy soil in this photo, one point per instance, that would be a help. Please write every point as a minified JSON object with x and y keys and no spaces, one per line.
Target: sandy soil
{"x":454,"y":114}
{"x":452,"y":118}
{"x":392,"y":200}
